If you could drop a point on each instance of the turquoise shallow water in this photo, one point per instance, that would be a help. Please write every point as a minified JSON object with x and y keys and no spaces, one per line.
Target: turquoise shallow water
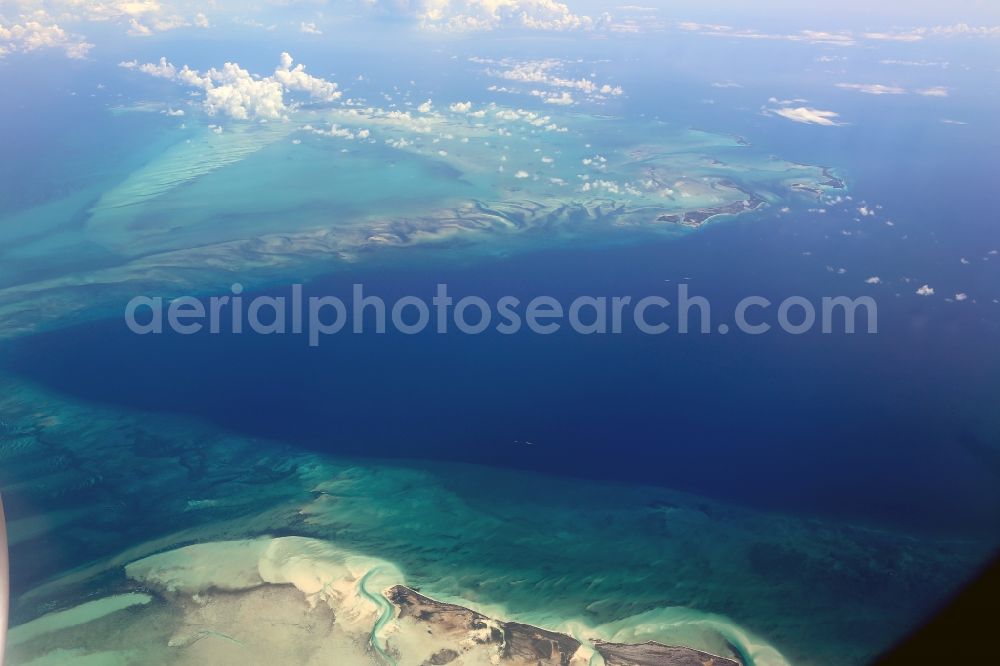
{"x":623,"y":561}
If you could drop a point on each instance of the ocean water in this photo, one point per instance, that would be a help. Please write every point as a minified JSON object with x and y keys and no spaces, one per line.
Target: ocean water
{"x":619,"y":561}
{"x":802,"y":499}
{"x":890,"y":427}
{"x":840,"y":458}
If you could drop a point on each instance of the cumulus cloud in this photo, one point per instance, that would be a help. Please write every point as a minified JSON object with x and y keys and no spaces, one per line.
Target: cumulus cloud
{"x":460,"y":107}
{"x":233,"y":91}
{"x":803,"y":114}
{"x":548,"y":73}
{"x":309,"y":28}
{"x":161,"y":69}
{"x":874,"y":280}
{"x":543,"y":72}
{"x":610,"y":187}
{"x":295,"y":78}
{"x":530,"y":117}
{"x":31,"y":35}
{"x":925,"y":290}
{"x":560,"y":99}
{"x":340,"y":132}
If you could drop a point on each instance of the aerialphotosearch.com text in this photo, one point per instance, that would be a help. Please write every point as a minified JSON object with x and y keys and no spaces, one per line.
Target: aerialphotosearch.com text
{"x":317,"y":317}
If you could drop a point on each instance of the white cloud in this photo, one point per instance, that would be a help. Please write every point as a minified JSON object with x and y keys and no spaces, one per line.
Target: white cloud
{"x":964,"y":29}
{"x":339,"y":132}
{"x":925,"y":290}
{"x":563,"y":99}
{"x":802,"y":114}
{"x":811,"y":36}
{"x":234,"y":92}
{"x":543,"y":72}
{"x":874,"y":280}
{"x":460,"y":107}
{"x":137,"y":29}
{"x":609,"y":186}
{"x":548,"y":73}
{"x":936,"y":91}
{"x":845,"y":38}
{"x":295,"y":78}
{"x":31,"y":35}
{"x":478,"y":15}
{"x":106,"y":10}
{"x":309,"y":28}
{"x":522,"y":174}
{"x":425,"y":107}
{"x":915,"y":63}
{"x":873,"y":88}
{"x":907,"y":36}
{"x":961,"y":296}
{"x":140,"y":17}
{"x":882,"y":89}
{"x":917,"y":34}
{"x":559,"y":99}
{"x":145,"y":18}
{"x":161,"y":69}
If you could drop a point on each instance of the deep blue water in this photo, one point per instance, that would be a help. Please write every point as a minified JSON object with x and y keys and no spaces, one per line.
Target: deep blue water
{"x":886,"y":428}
